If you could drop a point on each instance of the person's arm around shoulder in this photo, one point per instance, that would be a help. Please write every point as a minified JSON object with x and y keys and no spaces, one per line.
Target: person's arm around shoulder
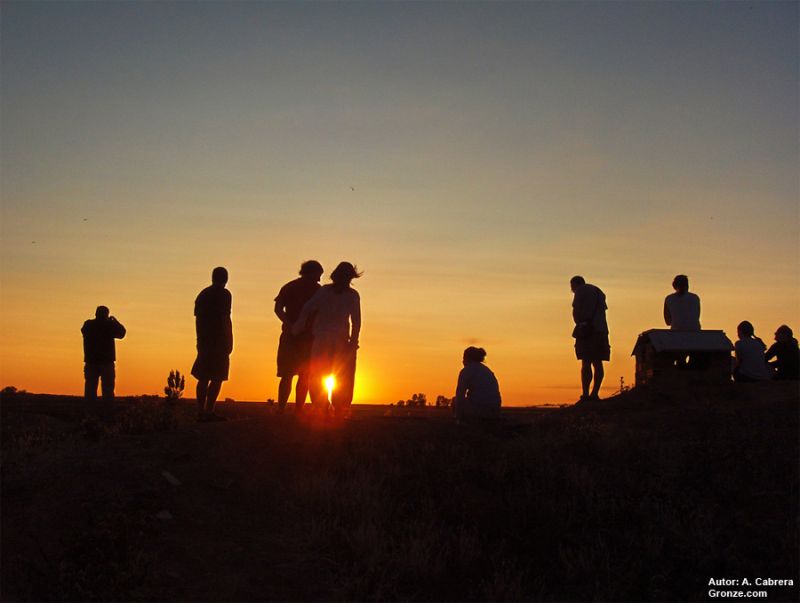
{"x":355,"y":318}
{"x":309,"y":307}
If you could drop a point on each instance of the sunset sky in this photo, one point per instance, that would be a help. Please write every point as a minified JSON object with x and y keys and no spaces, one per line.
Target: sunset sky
{"x":469,"y":157}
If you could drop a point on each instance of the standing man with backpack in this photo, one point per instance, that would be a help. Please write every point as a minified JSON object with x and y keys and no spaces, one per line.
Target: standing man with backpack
{"x":591,"y":335}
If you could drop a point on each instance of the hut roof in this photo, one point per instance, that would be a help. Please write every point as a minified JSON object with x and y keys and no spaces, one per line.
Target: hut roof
{"x":698,"y":341}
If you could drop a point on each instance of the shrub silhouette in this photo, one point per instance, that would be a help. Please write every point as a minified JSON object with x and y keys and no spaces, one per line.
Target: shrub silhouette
{"x":175,"y":384}
{"x":415,"y":400}
{"x":443,"y":401}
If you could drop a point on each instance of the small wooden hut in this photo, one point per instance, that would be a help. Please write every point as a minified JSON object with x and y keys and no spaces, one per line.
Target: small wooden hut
{"x":666,"y":357}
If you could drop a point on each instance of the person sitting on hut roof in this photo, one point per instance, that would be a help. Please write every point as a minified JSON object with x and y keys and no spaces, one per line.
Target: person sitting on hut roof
{"x":682,"y":309}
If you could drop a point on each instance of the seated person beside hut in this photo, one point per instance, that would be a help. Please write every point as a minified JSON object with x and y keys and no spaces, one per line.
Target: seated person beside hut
{"x":750,"y":363}
{"x":477,"y":391}
{"x":786,"y":352}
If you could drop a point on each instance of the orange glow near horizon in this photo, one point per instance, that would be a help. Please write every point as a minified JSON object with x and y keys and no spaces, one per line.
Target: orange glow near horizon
{"x":525,"y":333}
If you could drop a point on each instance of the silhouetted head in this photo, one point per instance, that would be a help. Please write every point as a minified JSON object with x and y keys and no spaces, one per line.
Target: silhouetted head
{"x":312,"y":269}
{"x":681,"y":283}
{"x":783,"y":333}
{"x":344,"y":273}
{"x":575,"y":282}
{"x":745,"y":329}
{"x":219,"y":276}
{"x":102,"y":312}
{"x":473,"y":354}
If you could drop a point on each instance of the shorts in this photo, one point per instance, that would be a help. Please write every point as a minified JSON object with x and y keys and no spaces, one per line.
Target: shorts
{"x":211,"y":365}
{"x":593,"y":348}
{"x":294,"y":354}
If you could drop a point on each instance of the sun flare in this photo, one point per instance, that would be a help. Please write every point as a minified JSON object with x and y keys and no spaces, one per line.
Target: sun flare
{"x":330,"y":384}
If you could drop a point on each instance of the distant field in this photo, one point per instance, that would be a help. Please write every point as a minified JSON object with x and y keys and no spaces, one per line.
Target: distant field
{"x":643,"y":497}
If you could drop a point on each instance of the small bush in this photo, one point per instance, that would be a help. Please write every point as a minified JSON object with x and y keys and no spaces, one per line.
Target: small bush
{"x":175,"y":384}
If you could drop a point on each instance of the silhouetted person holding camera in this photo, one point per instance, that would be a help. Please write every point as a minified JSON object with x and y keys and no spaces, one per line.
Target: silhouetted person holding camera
{"x":477,"y":390}
{"x":591,"y":335}
{"x":212,"y":310}
{"x":99,"y":353}
{"x":682,"y":309}
{"x":294,"y":351}
{"x":786,"y":352}
{"x":337,"y":325}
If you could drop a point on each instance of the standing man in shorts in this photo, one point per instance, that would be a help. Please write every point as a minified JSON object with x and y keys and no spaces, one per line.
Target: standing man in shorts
{"x":294,"y":351}
{"x":591,"y":335}
{"x":212,"y":310}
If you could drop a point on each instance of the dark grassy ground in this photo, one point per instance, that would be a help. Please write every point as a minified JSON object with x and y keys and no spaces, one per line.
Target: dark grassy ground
{"x":643,"y":497}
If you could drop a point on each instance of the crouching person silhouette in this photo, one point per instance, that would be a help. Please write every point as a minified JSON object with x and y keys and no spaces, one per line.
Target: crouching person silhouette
{"x":212,"y":310}
{"x":477,"y":390}
{"x":99,"y":353}
{"x":786,"y":353}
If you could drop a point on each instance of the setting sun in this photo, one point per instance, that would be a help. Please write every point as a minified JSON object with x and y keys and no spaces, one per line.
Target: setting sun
{"x":330,"y":384}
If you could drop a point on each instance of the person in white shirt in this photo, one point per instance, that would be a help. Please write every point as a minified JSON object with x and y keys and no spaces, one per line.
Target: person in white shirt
{"x":682,"y":309}
{"x":336,"y":309}
{"x":477,"y":391}
{"x":750,"y":364}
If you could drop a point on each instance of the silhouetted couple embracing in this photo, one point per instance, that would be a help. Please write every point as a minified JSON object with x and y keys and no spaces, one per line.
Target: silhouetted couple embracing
{"x":319,"y":338}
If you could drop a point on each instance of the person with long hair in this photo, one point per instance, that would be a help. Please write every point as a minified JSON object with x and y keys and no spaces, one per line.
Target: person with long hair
{"x":337,"y":325}
{"x":750,"y":364}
